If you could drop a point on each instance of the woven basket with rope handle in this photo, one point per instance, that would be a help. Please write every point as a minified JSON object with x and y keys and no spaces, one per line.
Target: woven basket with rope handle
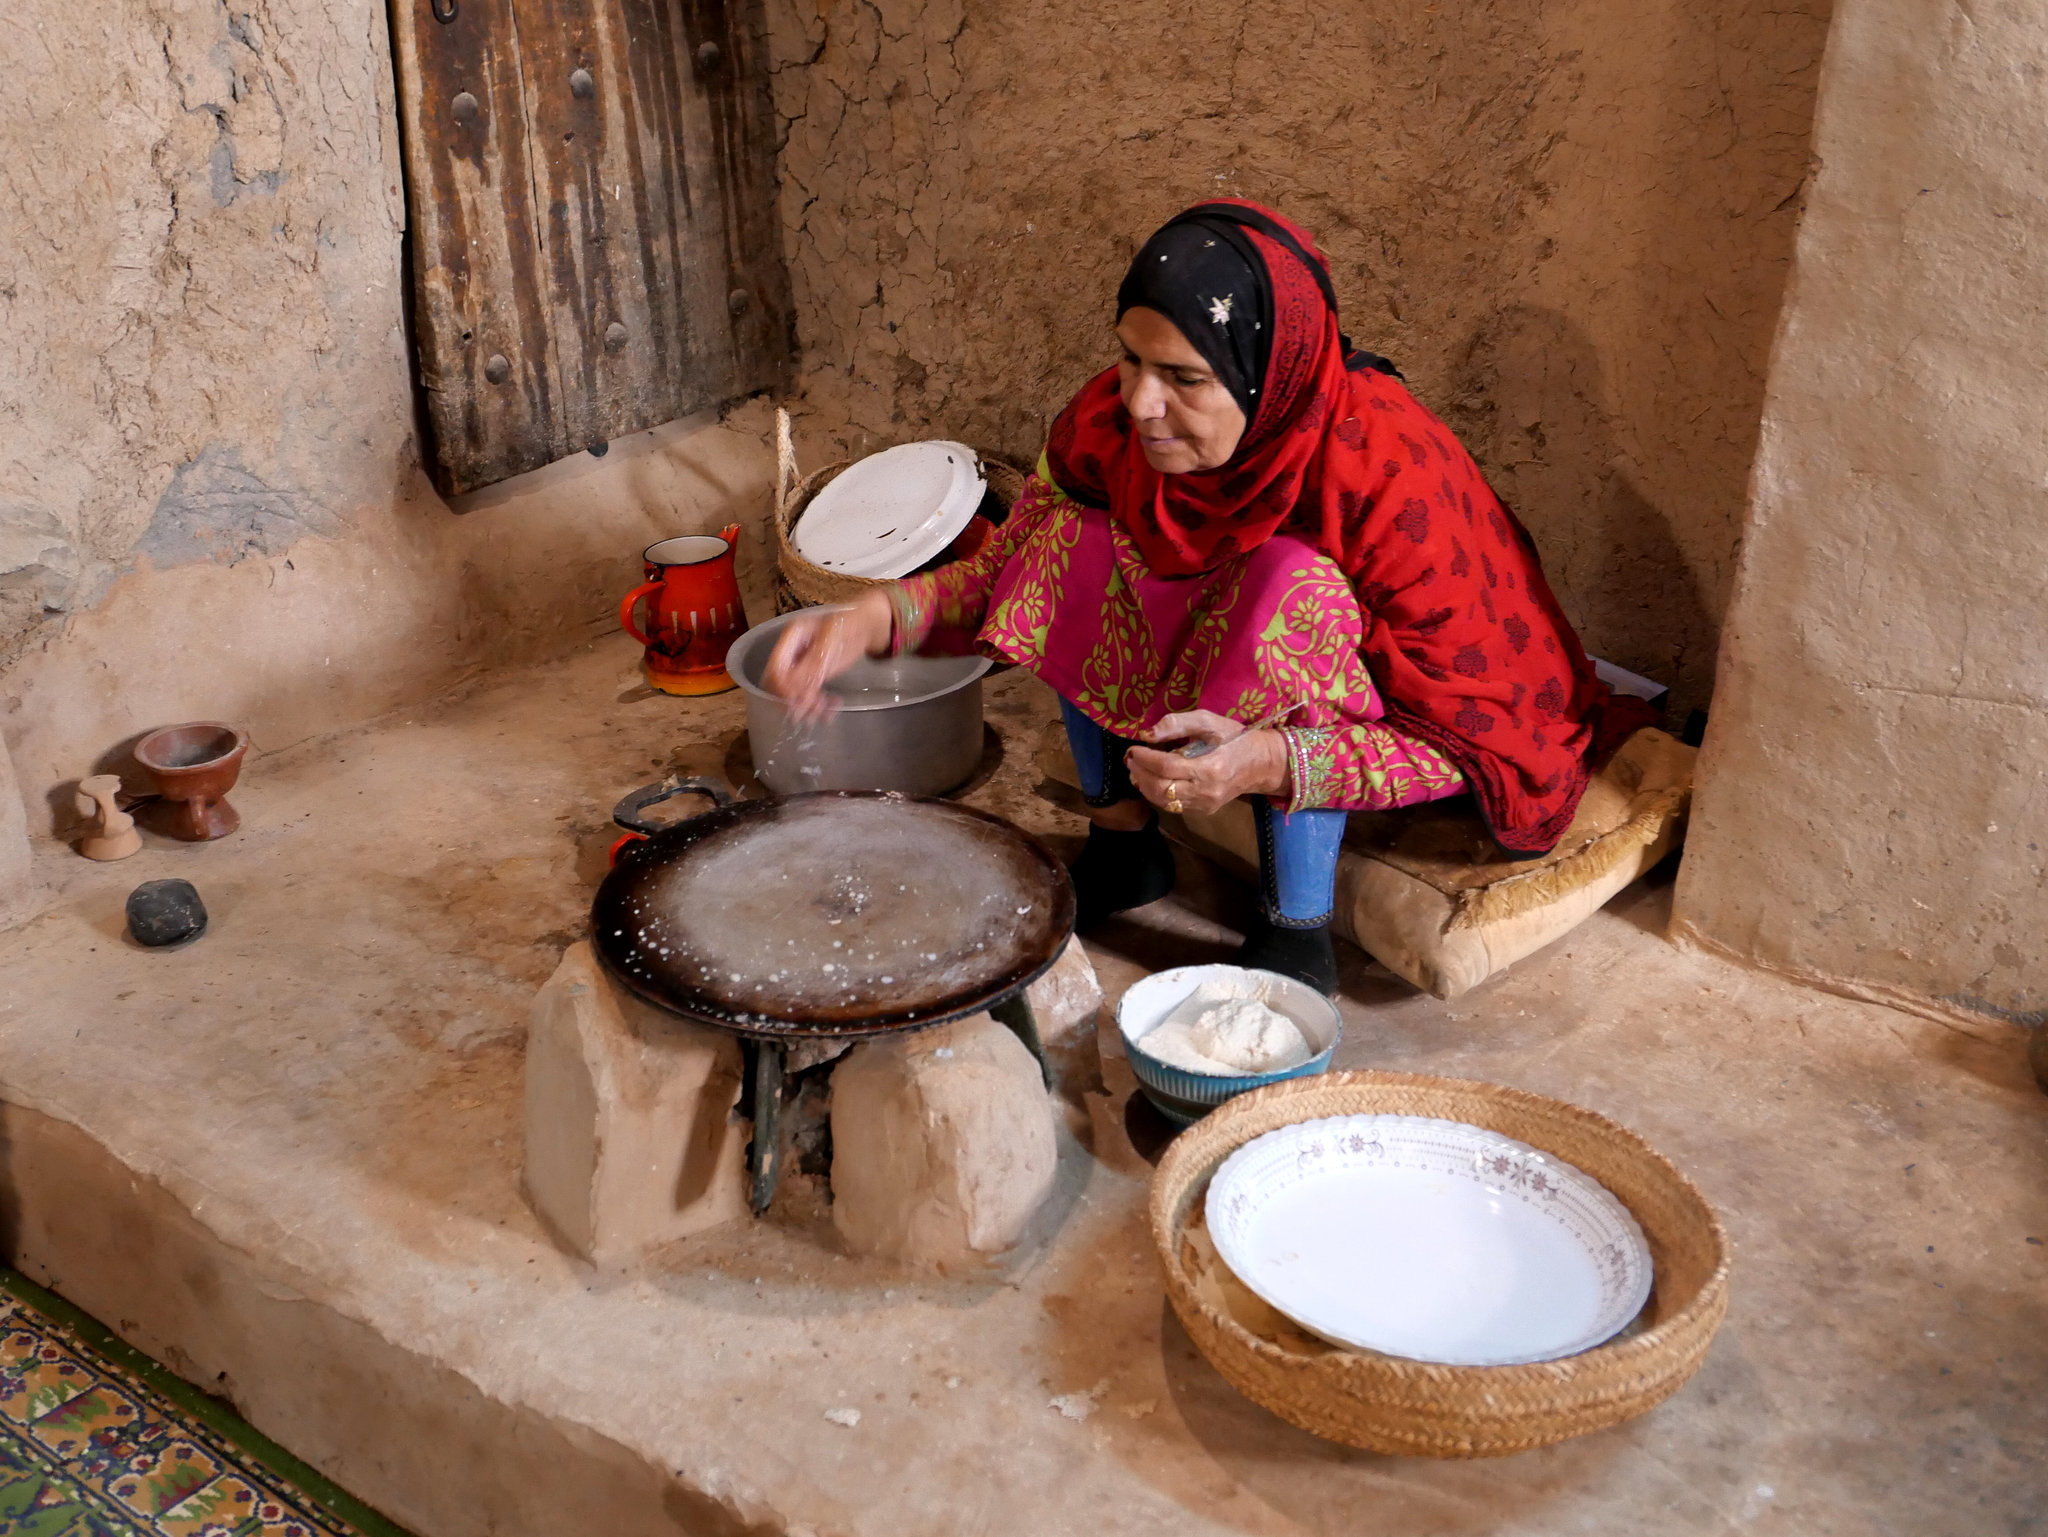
{"x":806,"y":585}
{"x":1413,"y":1408}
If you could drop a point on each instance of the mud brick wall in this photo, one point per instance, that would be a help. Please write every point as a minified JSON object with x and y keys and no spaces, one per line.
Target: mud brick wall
{"x":211,"y":499}
{"x":1568,"y":222}
{"x":1872,"y":811}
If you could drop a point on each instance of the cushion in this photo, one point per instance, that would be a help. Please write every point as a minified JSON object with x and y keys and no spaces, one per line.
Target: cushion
{"x":1427,"y":892}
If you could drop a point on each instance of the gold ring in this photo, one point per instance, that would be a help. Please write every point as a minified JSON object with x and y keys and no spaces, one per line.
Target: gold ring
{"x":1173,"y":799}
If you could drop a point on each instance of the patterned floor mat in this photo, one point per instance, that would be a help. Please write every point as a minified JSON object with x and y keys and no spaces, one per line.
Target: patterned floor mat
{"x":97,"y":1440}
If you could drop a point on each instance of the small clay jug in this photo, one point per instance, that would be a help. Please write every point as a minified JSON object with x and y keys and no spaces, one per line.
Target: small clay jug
{"x":194,"y":766}
{"x":112,"y":833}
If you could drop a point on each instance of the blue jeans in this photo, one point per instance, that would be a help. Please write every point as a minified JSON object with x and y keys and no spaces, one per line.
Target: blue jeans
{"x":1297,"y":850}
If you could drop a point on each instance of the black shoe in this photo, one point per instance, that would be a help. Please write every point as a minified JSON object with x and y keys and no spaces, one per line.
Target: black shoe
{"x":1118,"y":871}
{"x":1307,"y":955}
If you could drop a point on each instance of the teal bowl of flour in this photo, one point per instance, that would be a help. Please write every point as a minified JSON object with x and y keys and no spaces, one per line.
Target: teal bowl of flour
{"x":1183,"y":1096}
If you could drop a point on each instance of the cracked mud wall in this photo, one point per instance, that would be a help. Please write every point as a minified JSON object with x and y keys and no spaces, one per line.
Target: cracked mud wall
{"x":211,"y":504}
{"x":176,"y":331}
{"x":1872,"y":810}
{"x":1568,"y":222}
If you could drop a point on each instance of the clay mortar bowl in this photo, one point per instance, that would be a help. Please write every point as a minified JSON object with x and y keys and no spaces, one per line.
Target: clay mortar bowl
{"x":194,"y":766}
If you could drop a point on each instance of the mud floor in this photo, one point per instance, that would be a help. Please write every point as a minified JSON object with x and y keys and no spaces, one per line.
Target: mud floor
{"x":286,"y":1160}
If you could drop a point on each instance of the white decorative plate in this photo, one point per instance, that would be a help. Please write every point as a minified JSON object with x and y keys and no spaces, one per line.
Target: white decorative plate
{"x":1429,"y":1239}
{"x":893,"y":511}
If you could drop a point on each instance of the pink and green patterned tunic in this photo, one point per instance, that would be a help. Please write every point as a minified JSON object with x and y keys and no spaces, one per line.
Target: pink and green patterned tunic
{"x":1062,"y":591}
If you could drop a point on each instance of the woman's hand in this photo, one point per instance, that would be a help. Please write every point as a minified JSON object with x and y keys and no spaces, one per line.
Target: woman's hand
{"x":820,"y":644}
{"x":1244,"y":763}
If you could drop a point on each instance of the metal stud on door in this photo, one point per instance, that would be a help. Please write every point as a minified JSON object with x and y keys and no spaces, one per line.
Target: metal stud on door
{"x":589,"y":183}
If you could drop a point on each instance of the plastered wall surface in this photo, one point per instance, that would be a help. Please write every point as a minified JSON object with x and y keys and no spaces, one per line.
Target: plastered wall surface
{"x":211,"y":503}
{"x":201,"y":301}
{"x":1872,"y":807}
{"x":1568,"y":222}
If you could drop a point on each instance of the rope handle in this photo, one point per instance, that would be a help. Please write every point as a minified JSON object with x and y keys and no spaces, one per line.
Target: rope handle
{"x":785,"y":467}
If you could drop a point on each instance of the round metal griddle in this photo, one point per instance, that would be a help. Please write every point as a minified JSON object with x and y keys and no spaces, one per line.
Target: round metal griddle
{"x":843,"y":913}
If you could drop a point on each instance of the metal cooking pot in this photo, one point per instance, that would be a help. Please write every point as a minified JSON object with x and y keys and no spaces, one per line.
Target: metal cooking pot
{"x":905,"y":723}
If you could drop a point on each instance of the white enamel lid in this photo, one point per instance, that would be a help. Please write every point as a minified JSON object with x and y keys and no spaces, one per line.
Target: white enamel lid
{"x":893,"y":511}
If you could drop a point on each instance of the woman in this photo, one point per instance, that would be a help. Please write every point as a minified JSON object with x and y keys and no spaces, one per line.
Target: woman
{"x":1247,"y":523}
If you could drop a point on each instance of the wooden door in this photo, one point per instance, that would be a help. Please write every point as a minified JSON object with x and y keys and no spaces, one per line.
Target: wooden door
{"x":591,"y":187}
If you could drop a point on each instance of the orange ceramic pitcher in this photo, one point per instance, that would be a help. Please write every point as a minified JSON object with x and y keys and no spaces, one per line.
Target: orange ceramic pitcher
{"x":693,"y":611}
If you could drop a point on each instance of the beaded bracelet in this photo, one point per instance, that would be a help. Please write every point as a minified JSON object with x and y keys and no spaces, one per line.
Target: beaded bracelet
{"x":1308,"y":751}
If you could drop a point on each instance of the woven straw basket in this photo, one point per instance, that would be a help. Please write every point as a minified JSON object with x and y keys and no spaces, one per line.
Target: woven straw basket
{"x":1411,"y":1408}
{"x":808,"y":584}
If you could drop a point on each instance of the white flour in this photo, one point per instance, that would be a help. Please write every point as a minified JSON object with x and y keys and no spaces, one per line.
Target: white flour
{"x":1225,"y":1029}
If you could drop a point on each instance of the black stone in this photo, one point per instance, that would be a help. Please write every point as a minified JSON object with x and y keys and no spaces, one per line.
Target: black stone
{"x":165,"y":913}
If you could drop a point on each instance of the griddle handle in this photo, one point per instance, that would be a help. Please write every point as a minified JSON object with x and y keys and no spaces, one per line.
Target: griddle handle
{"x":627,"y":812}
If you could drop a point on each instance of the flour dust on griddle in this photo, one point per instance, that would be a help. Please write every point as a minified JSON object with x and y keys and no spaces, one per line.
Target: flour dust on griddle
{"x":838,"y":909}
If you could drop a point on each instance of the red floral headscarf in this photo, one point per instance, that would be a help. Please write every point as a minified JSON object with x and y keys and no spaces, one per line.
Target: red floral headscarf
{"x":1463,"y":635}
